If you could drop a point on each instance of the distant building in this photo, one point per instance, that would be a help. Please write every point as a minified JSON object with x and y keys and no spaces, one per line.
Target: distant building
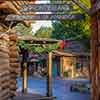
{"x":72,"y":60}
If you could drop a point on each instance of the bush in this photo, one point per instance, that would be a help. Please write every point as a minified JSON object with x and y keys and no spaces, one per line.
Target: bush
{"x":66,"y":74}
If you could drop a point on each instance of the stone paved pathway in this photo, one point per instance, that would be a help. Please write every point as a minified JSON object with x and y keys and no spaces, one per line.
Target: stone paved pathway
{"x":61,"y":89}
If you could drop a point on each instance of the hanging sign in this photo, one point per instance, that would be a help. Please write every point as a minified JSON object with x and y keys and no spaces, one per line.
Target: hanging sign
{"x":46,"y":8}
{"x":13,"y":17}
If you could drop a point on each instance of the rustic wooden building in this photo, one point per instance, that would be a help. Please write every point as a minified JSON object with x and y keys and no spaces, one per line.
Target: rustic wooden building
{"x":8,"y":50}
{"x":64,"y":60}
{"x":73,"y":59}
{"x":7,"y":7}
{"x":4,"y":67}
{"x":8,"y":66}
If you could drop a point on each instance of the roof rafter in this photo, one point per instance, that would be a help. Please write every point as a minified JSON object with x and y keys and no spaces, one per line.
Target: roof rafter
{"x":82,"y":6}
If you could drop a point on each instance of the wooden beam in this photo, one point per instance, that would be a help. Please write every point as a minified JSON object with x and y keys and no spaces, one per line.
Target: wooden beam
{"x":13,"y":17}
{"x":46,"y":7}
{"x":2,"y":17}
{"x":4,"y":27}
{"x":3,"y":5}
{"x":74,"y":67}
{"x":82,"y":6}
{"x":61,"y":66}
{"x":94,"y":57}
{"x":49,"y":75}
{"x":98,"y":59}
{"x":12,"y":8}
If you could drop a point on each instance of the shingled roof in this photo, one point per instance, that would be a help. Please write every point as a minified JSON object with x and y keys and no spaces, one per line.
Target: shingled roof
{"x":73,"y":48}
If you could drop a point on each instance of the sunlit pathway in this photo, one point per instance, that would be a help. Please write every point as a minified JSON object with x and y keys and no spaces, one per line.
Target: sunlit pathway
{"x":61,"y":89}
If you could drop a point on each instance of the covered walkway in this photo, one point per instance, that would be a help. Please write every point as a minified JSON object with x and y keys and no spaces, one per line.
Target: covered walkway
{"x":11,"y":65}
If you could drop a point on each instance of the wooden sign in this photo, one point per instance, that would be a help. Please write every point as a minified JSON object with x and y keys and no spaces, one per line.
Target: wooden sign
{"x":46,"y":8}
{"x":13,"y":17}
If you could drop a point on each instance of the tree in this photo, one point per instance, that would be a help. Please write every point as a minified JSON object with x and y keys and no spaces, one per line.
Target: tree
{"x":43,"y":32}
{"x":23,"y":30}
{"x":78,"y":30}
{"x":38,"y":49}
{"x":73,"y":30}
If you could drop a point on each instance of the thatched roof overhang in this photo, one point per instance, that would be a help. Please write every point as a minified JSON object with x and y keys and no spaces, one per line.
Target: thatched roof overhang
{"x":32,"y":40}
{"x":70,"y":54}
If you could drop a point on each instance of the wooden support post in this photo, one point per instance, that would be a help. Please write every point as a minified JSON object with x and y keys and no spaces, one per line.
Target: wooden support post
{"x":94,"y":57}
{"x":49,"y":75}
{"x":99,"y":55}
{"x":24,"y":81}
{"x":88,"y":65}
{"x":74,"y":67}
{"x":73,"y":71}
{"x":61,"y":66}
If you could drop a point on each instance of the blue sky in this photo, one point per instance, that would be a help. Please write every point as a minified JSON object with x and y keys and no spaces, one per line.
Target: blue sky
{"x":40,"y":23}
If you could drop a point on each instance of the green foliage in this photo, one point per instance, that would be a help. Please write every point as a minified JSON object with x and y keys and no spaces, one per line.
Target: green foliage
{"x":22,"y":44}
{"x":43,"y":32}
{"x":37,"y":48}
{"x":77,"y":30}
{"x":74,"y":29}
{"x":86,"y":3}
{"x":75,"y":7}
{"x":23,"y":30}
{"x":66,"y":74}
